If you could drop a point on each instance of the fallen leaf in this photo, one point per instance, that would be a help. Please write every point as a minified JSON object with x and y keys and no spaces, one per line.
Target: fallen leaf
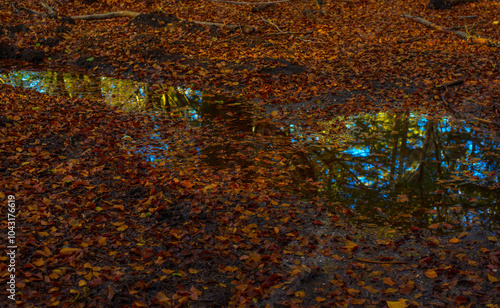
{"x":431,"y":274}
{"x":67,"y":251}
{"x":388,"y":281}
{"x":401,"y":303}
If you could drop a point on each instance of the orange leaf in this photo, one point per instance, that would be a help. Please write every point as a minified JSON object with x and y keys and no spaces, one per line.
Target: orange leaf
{"x":68,"y":178}
{"x":434,"y":226}
{"x":403,"y":198}
{"x":67,"y":251}
{"x":431,"y":274}
{"x":39,"y":262}
{"x":371,"y":289}
{"x":187,"y":184}
{"x":388,"y":281}
{"x":454,"y":240}
{"x":492,"y":278}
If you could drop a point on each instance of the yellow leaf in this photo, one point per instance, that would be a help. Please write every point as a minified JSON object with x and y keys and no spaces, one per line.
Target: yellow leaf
{"x":391,"y":290}
{"x":492,"y":278}
{"x":492,"y":238}
{"x":401,"y":303}
{"x":431,"y":274}
{"x":301,"y":294}
{"x":122,"y":228}
{"x":210,"y":186}
{"x":320,"y":299}
{"x":82,"y":283}
{"x":454,"y":240}
{"x":351,"y":246}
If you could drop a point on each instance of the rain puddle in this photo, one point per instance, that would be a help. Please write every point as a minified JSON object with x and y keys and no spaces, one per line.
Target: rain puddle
{"x":384,"y":170}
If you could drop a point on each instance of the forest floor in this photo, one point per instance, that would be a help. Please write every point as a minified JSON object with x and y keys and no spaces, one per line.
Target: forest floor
{"x":95,"y":229}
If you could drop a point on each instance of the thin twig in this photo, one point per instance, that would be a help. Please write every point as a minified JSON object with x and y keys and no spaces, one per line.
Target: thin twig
{"x":311,"y":41}
{"x":272,"y":23}
{"x":486,"y":121}
{"x":31,"y":11}
{"x":283,"y":33}
{"x":381,"y":262}
{"x":15,"y":8}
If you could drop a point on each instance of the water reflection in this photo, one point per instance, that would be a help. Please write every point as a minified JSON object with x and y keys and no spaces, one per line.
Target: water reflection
{"x":127,"y":94}
{"x":399,"y":170}
{"x":411,"y":170}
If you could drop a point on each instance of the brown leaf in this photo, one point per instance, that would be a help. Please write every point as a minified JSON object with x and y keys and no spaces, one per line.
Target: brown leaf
{"x":388,"y":281}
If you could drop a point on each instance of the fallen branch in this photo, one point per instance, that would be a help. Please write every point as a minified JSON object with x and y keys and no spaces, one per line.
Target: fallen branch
{"x":464,"y":35}
{"x":450,"y":84}
{"x":27,"y":10}
{"x":250,"y":3}
{"x":289,"y":33}
{"x":106,"y":15}
{"x":244,"y":29}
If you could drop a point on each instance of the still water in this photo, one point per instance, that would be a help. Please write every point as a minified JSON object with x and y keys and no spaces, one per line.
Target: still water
{"x":391,"y":170}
